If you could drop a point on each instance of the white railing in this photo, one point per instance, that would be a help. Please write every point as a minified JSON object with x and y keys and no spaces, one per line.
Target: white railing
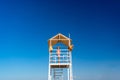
{"x":60,"y":50}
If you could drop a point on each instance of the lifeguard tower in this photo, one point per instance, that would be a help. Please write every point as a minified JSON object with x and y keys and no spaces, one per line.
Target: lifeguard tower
{"x":60,"y":58}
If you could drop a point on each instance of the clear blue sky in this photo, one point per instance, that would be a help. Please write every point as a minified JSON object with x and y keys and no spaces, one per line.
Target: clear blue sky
{"x":26,"y":25}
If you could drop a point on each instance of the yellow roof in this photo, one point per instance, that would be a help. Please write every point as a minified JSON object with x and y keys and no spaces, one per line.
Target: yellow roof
{"x":59,"y":38}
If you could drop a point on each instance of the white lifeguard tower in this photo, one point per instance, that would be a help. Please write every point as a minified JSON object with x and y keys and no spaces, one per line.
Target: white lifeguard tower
{"x":60,"y":58}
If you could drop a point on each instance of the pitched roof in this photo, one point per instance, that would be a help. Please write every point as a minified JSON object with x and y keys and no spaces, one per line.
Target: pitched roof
{"x":59,"y":38}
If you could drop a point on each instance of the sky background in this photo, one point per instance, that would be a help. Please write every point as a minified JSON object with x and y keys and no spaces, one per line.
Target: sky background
{"x":26,"y":26}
